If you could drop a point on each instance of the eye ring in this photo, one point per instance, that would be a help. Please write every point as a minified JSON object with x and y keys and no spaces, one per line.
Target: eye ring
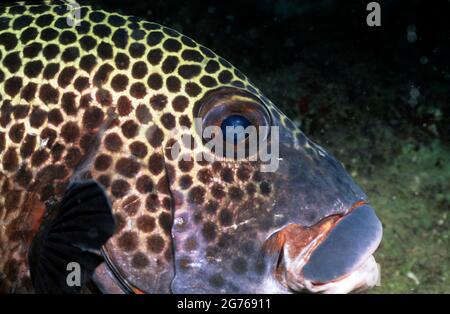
{"x":221,"y":104}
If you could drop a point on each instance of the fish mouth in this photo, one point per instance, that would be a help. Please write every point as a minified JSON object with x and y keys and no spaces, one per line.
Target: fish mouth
{"x":333,"y":256}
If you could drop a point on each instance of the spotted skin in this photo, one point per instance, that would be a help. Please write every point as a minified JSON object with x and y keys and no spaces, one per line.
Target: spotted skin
{"x":101,"y":101}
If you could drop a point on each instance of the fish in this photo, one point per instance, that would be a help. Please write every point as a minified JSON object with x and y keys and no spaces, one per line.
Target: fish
{"x":106,"y":164}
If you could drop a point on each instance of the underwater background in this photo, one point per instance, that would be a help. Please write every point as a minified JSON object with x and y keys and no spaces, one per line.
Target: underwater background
{"x":378,"y":98}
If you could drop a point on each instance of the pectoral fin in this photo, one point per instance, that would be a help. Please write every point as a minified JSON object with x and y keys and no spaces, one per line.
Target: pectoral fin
{"x":84,"y":223}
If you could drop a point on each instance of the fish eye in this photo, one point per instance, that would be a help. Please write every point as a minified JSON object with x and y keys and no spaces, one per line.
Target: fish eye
{"x":237,"y":114}
{"x":233,"y":128}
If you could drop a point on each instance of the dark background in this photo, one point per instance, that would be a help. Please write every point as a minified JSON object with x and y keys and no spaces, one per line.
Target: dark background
{"x":330,"y":37}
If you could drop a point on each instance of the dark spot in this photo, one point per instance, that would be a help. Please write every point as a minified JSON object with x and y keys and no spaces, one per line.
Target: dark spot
{"x":138,"y":90}
{"x":155,"y":243}
{"x":217,"y":191}
{"x":185,"y":182}
{"x":205,"y":176}
{"x":67,"y":37}
{"x":156,"y":163}
{"x":57,"y":151}
{"x":212,"y":66}
{"x":13,"y":86}
{"x":250,"y":188}
{"x":227,"y":175}
{"x":49,"y":135}
{"x":209,"y":231}
{"x":116,"y":20}
{"x":16,"y":132}
{"x":158,"y":102}
{"x":85,"y":101}
{"x":51,"y":70}
{"x":32,"y":50}
{"x":144,"y":184}
{"x":189,"y":71}
{"x":131,"y":205}
{"x":139,"y":70}
{"x":154,"y":56}
{"x":39,"y":157}
{"x":122,"y":61}
{"x":88,"y":43}
{"x":81,"y":83}
{"x":93,"y":118}
{"x":146,"y":223}
{"x":48,"y":94}
{"x":152,"y":202}
{"x":113,"y":142}
{"x":70,"y":132}
{"x":192,"y":55}
{"x":102,"y":162}
{"x":28,"y":145}
{"x":102,"y":30}
{"x":8,"y":40}
{"x":51,"y":51}
{"x":155,"y":81}
{"x":172,"y":45}
{"x":102,"y":74}
{"x":265,"y":188}
{"x":73,"y":157}
{"x":105,"y":51}
{"x":235,"y":193}
{"x":155,"y":136}
{"x":208,"y":81}
{"x":165,"y":222}
{"x":143,"y":114}
{"x":130,"y":129}
{"x":23,"y":177}
{"x":48,"y":34}
{"x":124,"y":106}
{"x":120,"y":188}
{"x":68,"y":103}
{"x":192,"y":89}
{"x":169,"y":64}
{"x":197,"y":195}
{"x":180,"y":103}
{"x":70,"y":54}
{"x":173,"y":84}
{"x":138,"y":149}
{"x":225,"y":76}
{"x":139,"y":260}
{"x":105,"y":181}
{"x":128,"y":241}
{"x":154,"y":38}
{"x":21,"y":111}
{"x":37,"y":117}
{"x":137,"y":50}
{"x":127,"y":167}
{"x":185,"y":165}
{"x":168,"y":121}
{"x":10,"y":160}
{"x":239,"y":265}
{"x":103,"y":97}
{"x":211,"y":207}
{"x":29,"y":91}
{"x":225,"y":217}
{"x":185,"y":121}
{"x":33,"y":68}
{"x":119,"y":82}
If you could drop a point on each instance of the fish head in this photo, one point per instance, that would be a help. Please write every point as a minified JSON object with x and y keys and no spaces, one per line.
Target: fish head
{"x":277,"y":213}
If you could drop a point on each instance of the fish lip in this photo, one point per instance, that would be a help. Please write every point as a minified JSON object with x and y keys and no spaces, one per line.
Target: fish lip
{"x":345,"y":247}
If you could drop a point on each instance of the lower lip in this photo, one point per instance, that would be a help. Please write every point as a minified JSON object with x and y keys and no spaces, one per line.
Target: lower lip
{"x":346,"y":247}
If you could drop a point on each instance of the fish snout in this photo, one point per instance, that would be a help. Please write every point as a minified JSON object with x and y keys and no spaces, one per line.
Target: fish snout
{"x":333,"y":256}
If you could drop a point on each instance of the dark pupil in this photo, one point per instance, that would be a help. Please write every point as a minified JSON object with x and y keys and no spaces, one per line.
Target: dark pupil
{"x":232,"y":122}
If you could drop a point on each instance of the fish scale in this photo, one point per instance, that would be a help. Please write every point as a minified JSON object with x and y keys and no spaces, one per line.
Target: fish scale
{"x":102,"y":101}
